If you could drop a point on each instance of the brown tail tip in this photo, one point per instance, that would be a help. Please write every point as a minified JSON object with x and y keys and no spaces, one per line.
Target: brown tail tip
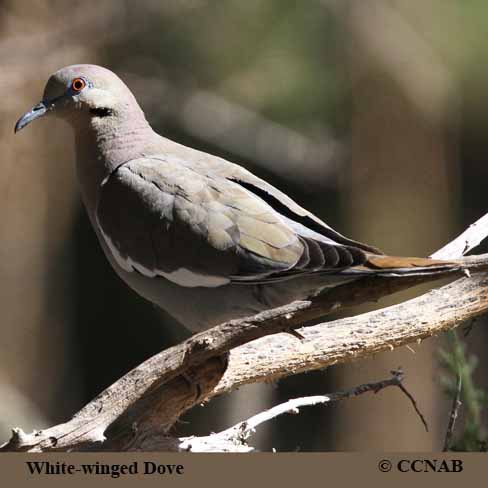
{"x":395,"y":262}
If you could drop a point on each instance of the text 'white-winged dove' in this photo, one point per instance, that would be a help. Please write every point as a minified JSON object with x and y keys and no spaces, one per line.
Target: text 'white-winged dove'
{"x":201,"y":237}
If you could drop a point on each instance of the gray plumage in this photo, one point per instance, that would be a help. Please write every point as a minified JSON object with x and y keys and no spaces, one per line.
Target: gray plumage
{"x":203,"y":238}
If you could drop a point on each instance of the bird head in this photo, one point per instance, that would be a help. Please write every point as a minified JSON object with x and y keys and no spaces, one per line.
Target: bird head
{"x":82,"y":94}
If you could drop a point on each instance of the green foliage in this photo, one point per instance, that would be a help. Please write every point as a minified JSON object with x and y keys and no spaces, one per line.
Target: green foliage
{"x":457,"y":363}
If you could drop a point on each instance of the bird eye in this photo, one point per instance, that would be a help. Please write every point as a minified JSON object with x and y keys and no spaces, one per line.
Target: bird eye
{"x":78,"y":84}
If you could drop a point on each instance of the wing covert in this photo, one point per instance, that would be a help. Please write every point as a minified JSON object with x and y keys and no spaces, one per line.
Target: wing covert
{"x":161,"y":218}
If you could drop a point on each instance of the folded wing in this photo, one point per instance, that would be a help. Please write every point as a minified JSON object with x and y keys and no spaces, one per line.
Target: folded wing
{"x":198,"y":227}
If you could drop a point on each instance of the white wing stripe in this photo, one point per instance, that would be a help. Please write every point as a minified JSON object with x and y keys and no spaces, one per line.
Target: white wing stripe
{"x":181,"y":276}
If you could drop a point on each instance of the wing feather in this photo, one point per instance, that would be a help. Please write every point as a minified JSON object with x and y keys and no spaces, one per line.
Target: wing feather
{"x":211,"y":222}
{"x":164,"y":217}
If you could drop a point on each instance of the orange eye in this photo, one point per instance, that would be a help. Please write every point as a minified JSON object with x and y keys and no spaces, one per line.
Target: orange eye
{"x":78,"y":84}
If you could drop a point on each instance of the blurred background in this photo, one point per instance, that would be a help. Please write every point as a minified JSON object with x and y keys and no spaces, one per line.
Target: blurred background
{"x":372,"y":114}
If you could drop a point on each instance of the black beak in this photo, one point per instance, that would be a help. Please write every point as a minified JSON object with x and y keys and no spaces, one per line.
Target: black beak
{"x":38,"y":111}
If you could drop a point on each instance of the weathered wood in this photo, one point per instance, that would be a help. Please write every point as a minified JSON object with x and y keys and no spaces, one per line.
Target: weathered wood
{"x":149,"y":399}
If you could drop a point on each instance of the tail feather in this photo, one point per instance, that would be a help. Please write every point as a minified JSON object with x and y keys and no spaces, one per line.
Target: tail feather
{"x":396,"y":265}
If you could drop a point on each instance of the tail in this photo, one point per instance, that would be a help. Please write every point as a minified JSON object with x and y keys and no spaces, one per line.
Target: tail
{"x":381,"y":265}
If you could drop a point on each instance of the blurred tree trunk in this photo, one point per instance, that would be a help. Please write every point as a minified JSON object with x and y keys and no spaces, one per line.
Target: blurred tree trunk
{"x":38,"y":382}
{"x":401,"y":166}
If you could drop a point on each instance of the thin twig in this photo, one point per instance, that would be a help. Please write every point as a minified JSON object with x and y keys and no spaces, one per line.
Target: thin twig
{"x":246,"y":427}
{"x":240,"y":432}
{"x":456,"y":404}
{"x":415,"y":406}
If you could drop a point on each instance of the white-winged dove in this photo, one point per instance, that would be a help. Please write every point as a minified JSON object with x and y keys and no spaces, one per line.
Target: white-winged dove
{"x":201,"y":237}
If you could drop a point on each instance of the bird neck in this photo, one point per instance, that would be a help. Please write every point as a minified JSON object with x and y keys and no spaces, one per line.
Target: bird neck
{"x":105,"y":144}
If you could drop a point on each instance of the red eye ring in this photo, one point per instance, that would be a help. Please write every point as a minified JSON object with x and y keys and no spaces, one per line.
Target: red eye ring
{"x":78,"y":84}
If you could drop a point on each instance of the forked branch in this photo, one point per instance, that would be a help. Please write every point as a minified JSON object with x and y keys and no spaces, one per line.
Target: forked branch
{"x":147,"y":401}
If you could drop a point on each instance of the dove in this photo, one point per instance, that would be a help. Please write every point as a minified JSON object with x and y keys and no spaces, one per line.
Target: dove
{"x":201,"y":237}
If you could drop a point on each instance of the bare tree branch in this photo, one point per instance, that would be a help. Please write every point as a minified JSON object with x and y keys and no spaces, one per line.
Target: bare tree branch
{"x":235,"y":437}
{"x":468,"y":240}
{"x":456,"y":404}
{"x":148,"y":400}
